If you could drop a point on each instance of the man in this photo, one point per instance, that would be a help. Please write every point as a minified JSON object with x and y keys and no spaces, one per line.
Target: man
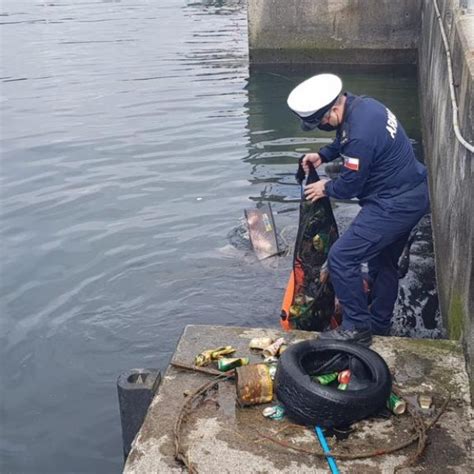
{"x":381,"y":170}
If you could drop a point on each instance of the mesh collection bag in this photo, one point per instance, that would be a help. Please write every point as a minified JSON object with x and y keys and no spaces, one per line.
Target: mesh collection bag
{"x":308,"y":302}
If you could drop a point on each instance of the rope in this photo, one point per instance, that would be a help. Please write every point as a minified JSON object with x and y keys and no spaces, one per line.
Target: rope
{"x":457,"y":132}
{"x":418,"y":426}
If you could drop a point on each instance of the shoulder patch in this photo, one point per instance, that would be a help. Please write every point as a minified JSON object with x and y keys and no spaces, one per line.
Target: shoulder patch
{"x":351,"y":163}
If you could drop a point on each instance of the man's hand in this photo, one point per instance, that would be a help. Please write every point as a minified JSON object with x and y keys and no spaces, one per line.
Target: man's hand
{"x":313,"y":158}
{"x":315,"y":191}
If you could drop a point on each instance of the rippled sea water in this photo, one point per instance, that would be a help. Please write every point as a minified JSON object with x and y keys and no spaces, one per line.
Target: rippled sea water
{"x":133,"y":136}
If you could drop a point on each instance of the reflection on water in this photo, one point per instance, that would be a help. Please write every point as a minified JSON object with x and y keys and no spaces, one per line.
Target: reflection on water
{"x":132,"y":139}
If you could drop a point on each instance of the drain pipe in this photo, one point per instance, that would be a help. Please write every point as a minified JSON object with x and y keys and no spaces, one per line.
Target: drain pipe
{"x":451,"y":83}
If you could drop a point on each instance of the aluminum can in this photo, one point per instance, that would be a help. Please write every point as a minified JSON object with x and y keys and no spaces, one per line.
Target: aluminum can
{"x":260,"y":342}
{"x":276,"y":412}
{"x":272,"y":368}
{"x":344,"y":377}
{"x":205,"y":357}
{"x":228,"y":363}
{"x":273,"y":349}
{"x":425,"y":401}
{"x":282,"y":349}
{"x":396,"y":404}
{"x":326,"y":379}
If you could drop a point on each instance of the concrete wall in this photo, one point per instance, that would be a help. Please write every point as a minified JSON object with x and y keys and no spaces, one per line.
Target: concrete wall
{"x":336,"y":31}
{"x":450,"y":164}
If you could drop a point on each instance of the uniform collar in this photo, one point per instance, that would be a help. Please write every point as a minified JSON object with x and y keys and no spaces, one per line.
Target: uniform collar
{"x":348,"y":106}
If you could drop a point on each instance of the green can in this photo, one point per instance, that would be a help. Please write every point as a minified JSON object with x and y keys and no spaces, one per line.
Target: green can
{"x":326,"y":379}
{"x":227,"y":363}
{"x":396,"y":405}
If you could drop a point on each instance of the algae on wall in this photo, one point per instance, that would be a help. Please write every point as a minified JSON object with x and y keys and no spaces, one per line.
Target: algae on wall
{"x":450,"y":165}
{"x":456,"y":317}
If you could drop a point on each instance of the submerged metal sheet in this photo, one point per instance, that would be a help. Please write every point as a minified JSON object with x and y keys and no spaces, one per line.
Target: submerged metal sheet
{"x":262,"y":231}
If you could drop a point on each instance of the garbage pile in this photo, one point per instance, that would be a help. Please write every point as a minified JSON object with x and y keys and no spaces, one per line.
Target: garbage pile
{"x":254,"y":382}
{"x":324,"y":385}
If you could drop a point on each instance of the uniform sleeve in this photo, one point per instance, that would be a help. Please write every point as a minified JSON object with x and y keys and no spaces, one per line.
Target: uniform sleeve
{"x":357,"y":158}
{"x":332,"y":151}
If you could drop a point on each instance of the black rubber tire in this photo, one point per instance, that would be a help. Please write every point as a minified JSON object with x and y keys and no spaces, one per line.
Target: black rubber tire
{"x":312,"y":404}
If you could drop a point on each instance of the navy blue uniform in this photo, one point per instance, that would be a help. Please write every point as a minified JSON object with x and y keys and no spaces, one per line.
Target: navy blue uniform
{"x":381,"y":170}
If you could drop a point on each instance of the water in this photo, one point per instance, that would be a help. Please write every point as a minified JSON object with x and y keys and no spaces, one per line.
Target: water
{"x":132,"y":138}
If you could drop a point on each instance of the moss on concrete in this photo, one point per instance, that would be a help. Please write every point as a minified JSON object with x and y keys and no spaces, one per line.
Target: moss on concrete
{"x":417,"y":355}
{"x":428,"y":345}
{"x":456,"y":317}
{"x":327,"y":55}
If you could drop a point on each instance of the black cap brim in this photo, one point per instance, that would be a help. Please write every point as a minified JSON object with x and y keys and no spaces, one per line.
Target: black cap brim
{"x":311,"y":122}
{"x":307,"y":126}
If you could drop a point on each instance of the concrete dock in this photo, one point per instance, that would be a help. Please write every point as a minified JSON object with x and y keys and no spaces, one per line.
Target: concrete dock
{"x":220,"y":437}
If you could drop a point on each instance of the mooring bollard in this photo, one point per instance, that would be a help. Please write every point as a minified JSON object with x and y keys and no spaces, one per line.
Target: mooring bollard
{"x":136,"y":389}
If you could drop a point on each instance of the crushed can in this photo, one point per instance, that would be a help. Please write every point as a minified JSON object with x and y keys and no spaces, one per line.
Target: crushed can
{"x":344,"y":377}
{"x":282,"y":349}
{"x":276,"y":412}
{"x":273,"y":349}
{"x":272,"y":368}
{"x":254,"y":384}
{"x":260,"y":343}
{"x":425,"y":401}
{"x":295,"y":311}
{"x":319,"y":243}
{"x":227,"y":363}
{"x":207,"y":356}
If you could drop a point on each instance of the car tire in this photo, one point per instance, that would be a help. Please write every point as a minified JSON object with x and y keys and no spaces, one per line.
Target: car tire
{"x":310,"y":403}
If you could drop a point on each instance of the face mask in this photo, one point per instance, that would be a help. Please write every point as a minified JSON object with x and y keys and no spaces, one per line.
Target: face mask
{"x":327,"y":127}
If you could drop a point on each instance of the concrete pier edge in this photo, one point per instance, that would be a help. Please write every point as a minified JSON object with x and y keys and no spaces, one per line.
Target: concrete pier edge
{"x":221,"y":437}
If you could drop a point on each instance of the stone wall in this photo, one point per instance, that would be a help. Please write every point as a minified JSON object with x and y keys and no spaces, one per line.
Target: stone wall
{"x":450,"y":164}
{"x":334,"y":31}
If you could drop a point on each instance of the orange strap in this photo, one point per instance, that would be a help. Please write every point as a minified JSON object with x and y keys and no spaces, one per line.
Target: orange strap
{"x":287,"y":302}
{"x":293,"y":287}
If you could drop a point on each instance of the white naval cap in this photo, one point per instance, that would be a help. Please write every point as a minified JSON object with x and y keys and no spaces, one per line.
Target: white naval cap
{"x":314,"y":97}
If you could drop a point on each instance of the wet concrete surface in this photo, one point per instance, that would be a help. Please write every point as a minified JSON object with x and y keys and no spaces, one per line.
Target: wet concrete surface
{"x":218,"y":436}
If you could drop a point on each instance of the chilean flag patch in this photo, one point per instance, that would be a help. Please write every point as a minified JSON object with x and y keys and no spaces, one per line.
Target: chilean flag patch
{"x":351,"y":163}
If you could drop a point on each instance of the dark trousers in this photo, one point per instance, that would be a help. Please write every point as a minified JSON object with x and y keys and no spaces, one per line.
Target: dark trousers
{"x":377,"y":236}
